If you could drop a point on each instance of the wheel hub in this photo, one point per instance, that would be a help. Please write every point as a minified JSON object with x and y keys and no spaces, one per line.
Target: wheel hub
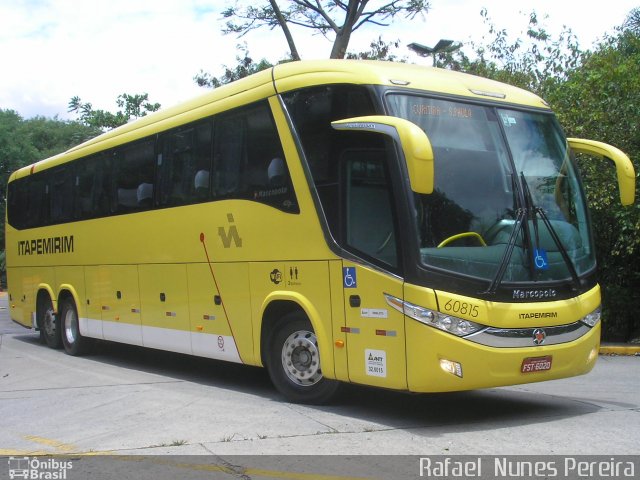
{"x":301,"y":358}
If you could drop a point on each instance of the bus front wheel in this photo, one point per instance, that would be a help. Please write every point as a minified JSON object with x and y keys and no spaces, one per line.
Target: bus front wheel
{"x":74,"y":343}
{"x":294,"y":362}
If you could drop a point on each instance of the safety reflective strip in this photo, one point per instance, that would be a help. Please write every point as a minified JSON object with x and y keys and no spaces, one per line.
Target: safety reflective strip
{"x":386,"y":333}
{"x":349,"y":330}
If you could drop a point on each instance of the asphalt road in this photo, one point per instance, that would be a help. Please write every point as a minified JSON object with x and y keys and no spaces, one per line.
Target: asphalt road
{"x":130,"y":401}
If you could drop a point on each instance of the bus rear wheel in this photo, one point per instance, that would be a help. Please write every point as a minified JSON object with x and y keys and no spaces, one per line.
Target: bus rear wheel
{"x":74,"y":343}
{"x":49,"y":324}
{"x":294,"y":362}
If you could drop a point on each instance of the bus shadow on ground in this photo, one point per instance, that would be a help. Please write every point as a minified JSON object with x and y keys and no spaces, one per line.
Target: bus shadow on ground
{"x":463,"y":411}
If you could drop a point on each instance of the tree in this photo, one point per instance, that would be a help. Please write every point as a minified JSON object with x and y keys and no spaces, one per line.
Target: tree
{"x":535,"y":63}
{"x":23,"y":142}
{"x":329,"y":17}
{"x":601,"y":100}
{"x":379,"y":50}
{"x":632,"y":22}
{"x":246,"y":66}
{"x":131,"y":107}
{"x":595,"y":94}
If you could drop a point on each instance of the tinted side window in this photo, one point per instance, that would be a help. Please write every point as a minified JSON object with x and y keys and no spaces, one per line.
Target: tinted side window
{"x":17,"y":207}
{"x":185,"y":165}
{"x":249,"y":162}
{"x":61,"y":196}
{"x":135,"y":173}
{"x":93,"y":187}
{"x":312,"y":111}
{"x":37,"y":200}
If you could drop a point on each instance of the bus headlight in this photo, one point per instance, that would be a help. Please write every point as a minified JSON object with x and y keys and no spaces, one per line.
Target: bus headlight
{"x":592,"y":318}
{"x":448,"y":323}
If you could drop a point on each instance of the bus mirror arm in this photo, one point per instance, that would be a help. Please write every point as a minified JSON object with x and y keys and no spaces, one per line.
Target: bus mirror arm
{"x":414,"y":143}
{"x":624,"y":167}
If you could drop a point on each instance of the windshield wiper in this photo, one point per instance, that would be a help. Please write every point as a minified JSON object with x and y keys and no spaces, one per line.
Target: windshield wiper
{"x":535,"y":211}
{"x":506,"y":257}
{"x":530,"y":210}
{"x":561,"y":248}
{"x":521,"y":213}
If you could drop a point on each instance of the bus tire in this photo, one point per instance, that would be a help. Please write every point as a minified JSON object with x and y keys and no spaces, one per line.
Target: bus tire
{"x":74,"y":343}
{"x":294,"y":362}
{"x":49,"y":324}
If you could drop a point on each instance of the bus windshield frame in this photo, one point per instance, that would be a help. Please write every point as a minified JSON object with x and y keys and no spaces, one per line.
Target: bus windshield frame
{"x":506,"y":191}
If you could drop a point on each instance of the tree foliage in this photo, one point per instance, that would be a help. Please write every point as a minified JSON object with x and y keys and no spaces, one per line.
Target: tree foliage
{"x":131,"y":107}
{"x":23,"y":142}
{"x":336,"y":18}
{"x":246,"y":66}
{"x":601,"y":100}
{"x":378,"y":50}
{"x":596,"y":95}
{"x":536,"y":62}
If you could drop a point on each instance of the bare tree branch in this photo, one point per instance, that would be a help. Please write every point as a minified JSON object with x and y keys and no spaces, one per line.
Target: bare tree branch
{"x":341,"y":17}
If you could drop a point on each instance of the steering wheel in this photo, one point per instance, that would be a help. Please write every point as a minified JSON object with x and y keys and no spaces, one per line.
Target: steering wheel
{"x":453,"y":238}
{"x":384,"y":244}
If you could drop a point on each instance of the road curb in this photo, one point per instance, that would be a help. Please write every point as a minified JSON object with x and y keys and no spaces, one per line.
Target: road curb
{"x":631,"y":350}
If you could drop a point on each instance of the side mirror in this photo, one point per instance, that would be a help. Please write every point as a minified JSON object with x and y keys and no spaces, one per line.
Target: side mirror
{"x":414,"y":143}
{"x":624,"y":167}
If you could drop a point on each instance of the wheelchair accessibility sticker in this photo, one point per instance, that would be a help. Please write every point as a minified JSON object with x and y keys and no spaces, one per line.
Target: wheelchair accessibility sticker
{"x":349,"y":277}
{"x":540,"y":259}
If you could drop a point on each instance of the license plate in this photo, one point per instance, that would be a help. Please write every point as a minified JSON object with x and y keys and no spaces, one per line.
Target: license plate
{"x":536,"y":364}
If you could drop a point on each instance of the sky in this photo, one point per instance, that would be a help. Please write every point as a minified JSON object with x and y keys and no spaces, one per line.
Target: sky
{"x":53,"y":50}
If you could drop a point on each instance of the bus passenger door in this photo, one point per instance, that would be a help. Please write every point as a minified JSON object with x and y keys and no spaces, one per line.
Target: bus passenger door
{"x":375,"y":335}
{"x":374,"y":331}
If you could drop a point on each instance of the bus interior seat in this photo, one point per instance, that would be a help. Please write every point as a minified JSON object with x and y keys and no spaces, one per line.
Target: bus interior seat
{"x":144,"y":195}
{"x":276,"y":172}
{"x":127,"y":198}
{"x":201,"y":184}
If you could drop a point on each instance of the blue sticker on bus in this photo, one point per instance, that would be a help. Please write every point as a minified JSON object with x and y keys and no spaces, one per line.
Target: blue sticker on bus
{"x":349,"y":277}
{"x":540,"y":259}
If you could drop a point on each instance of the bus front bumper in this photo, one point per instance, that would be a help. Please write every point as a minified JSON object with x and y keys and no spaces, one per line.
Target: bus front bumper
{"x":441,"y":362}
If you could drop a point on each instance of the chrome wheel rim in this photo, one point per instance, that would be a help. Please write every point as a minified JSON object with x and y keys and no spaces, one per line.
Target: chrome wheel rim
{"x":70,"y":326}
{"x":301,"y":358}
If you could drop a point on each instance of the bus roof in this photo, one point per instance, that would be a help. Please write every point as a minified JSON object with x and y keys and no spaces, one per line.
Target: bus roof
{"x":294,"y":75}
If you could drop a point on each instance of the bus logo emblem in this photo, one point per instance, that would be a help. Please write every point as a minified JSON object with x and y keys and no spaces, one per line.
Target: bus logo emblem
{"x":230,"y":235}
{"x":539,"y":336}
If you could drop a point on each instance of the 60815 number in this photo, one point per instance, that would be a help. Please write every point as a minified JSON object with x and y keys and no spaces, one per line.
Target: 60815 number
{"x":463,"y":308}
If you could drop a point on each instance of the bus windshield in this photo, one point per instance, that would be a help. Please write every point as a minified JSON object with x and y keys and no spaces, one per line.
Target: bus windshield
{"x":504,"y":182}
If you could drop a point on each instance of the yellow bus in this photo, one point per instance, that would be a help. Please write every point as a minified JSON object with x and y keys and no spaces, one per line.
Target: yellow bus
{"x":333,"y":221}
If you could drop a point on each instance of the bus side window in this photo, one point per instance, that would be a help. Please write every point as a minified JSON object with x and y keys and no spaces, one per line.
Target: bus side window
{"x":229,"y":156}
{"x":62,"y":194}
{"x":368,"y":218}
{"x":184,"y":165}
{"x":249,"y":162}
{"x":38,"y":201}
{"x":135,"y":173}
{"x":17,"y":196}
{"x":312,"y":111}
{"x":93,"y":187}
